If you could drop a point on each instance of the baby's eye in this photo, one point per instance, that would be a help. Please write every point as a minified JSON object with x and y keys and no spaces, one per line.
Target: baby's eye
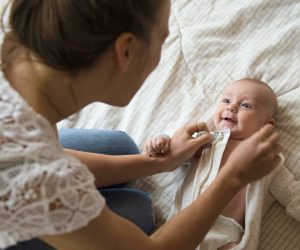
{"x":225,"y":100}
{"x":246,"y":105}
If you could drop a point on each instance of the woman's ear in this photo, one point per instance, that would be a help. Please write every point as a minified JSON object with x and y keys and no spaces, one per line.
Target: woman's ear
{"x":124,"y":48}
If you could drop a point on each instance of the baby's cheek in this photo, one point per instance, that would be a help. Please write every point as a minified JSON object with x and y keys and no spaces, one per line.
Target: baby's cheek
{"x":217,"y":121}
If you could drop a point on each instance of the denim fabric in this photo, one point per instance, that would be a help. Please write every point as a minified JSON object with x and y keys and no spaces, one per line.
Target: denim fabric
{"x":108,"y":141}
{"x":134,"y":205}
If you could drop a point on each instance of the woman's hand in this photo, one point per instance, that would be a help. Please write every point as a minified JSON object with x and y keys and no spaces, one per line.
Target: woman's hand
{"x":255,"y":157}
{"x":183,"y":145}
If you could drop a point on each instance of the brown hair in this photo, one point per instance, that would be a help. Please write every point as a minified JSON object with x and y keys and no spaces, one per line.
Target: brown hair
{"x":71,"y":34}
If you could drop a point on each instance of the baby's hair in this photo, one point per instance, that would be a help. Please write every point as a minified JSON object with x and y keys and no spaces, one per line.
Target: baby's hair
{"x":273,"y":94}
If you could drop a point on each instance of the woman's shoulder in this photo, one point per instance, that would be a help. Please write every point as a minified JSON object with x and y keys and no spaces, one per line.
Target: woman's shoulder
{"x":21,"y":128}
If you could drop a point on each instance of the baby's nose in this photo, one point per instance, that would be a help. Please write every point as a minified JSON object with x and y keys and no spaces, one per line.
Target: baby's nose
{"x":232,"y":109}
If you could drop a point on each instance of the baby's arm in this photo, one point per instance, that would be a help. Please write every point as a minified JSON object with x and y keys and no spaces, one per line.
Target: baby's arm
{"x":287,"y":191}
{"x":157,"y":145}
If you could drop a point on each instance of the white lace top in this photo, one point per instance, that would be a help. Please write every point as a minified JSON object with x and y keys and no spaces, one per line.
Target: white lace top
{"x":42,"y":189}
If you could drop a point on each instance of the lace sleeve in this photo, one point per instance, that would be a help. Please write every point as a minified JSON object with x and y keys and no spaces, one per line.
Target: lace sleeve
{"x":52,"y":199}
{"x":42,"y":189}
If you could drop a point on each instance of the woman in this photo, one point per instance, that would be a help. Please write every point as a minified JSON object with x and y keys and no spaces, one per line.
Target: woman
{"x":59,"y":56}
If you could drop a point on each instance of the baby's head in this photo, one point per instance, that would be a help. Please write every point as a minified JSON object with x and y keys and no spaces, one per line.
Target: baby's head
{"x":244,"y":107}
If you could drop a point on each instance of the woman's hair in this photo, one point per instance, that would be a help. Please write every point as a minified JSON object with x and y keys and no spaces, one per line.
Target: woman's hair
{"x":71,"y":34}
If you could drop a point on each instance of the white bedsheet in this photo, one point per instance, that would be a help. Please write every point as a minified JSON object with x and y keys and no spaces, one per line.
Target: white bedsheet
{"x":212,"y":43}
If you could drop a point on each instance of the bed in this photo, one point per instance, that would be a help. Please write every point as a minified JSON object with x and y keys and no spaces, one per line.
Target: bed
{"x":212,"y":43}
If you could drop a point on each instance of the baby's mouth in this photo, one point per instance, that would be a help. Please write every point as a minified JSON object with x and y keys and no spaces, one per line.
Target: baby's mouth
{"x":230,"y":120}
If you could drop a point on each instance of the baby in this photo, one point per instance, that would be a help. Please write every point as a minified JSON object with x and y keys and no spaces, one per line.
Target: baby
{"x":244,"y":107}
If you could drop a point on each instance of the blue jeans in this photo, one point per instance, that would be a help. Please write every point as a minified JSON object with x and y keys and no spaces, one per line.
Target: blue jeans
{"x":131,"y":204}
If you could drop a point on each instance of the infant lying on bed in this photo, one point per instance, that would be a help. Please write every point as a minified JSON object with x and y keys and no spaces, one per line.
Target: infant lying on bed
{"x":244,"y":107}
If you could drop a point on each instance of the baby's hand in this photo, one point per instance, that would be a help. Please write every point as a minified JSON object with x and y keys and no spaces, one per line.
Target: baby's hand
{"x":157,"y":145}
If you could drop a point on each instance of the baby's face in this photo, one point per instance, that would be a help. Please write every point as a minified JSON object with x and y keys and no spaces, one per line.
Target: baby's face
{"x":244,"y":107}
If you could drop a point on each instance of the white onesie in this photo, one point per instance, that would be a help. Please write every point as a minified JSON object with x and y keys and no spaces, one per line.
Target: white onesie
{"x":224,"y":230}
{"x":280,"y":184}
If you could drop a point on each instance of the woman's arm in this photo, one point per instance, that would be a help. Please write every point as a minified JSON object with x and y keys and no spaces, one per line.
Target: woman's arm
{"x":113,"y":169}
{"x":185,"y":230}
{"x":109,"y":170}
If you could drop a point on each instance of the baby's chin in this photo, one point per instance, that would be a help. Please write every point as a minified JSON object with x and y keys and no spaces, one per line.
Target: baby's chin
{"x":223,"y":127}
{"x":238,"y":135}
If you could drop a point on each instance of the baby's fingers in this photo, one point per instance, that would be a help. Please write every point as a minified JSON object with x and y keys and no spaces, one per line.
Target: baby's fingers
{"x":153,"y":147}
{"x":162,"y":144}
{"x":166,"y":147}
{"x":146,"y":149}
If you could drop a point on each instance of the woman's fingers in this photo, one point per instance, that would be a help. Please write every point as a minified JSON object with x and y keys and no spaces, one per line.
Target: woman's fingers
{"x":265,"y":132}
{"x":262,"y":156}
{"x":277,"y":160}
{"x":270,"y":143}
{"x":196,"y":127}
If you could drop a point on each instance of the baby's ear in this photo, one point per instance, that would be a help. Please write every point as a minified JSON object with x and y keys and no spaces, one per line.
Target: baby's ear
{"x":271,"y":121}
